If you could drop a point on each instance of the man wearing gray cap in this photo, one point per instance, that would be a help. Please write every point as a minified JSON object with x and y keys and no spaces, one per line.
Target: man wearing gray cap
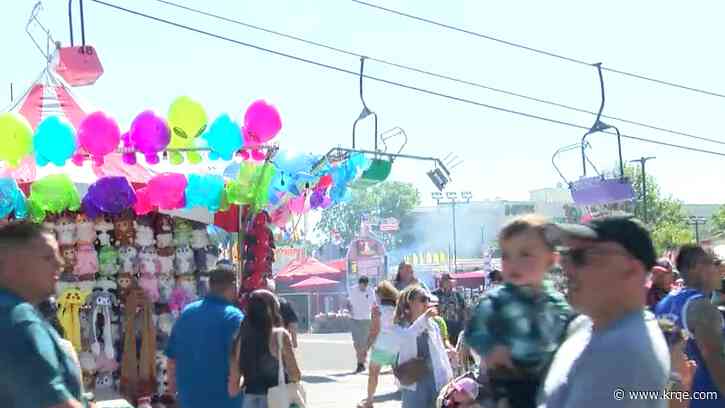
{"x":616,"y":354}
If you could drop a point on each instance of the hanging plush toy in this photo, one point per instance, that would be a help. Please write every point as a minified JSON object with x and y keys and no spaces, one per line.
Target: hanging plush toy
{"x":124,"y":230}
{"x":182,"y":232}
{"x":108,"y":259}
{"x":68,"y":252}
{"x":85,"y":230}
{"x":149,"y":267}
{"x":138,"y":368}
{"x":86,"y":262}
{"x":104,"y":232}
{"x":180,"y":297}
{"x":166,"y":286}
{"x":164,"y":228}
{"x":212,"y":256}
{"x":199,"y":236}
{"x":166,"y":259}
{"x":88,"y":368}
{"x":124,"y":282}
{"x":144,"y":232}
{"x":69,"y":308}
{"x":127,"y":256}
{"x":184,"y":260}
{"x":65,"y":229}
{"x":102,"y":303}
{"x":161,"y":370}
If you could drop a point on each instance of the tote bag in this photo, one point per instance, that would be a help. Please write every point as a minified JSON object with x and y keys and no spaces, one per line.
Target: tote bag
{"x":283,"y":395}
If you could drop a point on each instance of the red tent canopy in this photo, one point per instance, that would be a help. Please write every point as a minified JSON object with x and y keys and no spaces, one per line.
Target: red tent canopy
{"x":306,"y":267}
{"x":339,"y":264}
{"x":469,"y":275}
{"x":314,"y":283}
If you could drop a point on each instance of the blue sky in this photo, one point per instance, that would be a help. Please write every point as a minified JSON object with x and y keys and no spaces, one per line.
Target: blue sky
{"x":148,"y":64}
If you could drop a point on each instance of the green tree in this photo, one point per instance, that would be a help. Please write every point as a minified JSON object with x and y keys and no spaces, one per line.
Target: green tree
{"x":718,"y":222}
{"x":390,"y":199}
{"x":666,"y":215}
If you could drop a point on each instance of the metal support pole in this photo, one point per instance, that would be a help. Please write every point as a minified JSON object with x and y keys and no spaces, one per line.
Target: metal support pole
{"x":455,"y":245}
{"x":643,"y":161}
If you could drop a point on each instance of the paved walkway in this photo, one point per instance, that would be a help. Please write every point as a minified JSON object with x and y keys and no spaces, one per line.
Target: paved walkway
{"x":345,"y":390}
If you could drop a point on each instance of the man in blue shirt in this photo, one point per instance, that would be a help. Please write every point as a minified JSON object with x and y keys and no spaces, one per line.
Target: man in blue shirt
{"x":690,"y":308}
{"x":35,"y":371}
{"x":201,"y":344}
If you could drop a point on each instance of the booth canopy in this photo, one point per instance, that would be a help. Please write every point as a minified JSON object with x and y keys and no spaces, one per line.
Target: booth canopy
{"x":306,"y":267}
{"x":314,"y":283}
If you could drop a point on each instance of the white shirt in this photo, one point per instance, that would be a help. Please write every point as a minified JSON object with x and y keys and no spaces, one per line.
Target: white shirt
{"x":362,"y":302}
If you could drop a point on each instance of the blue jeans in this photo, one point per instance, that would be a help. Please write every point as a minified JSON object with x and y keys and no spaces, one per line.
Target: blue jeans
{"x":424,"y":396}
{"x":255,"y":401}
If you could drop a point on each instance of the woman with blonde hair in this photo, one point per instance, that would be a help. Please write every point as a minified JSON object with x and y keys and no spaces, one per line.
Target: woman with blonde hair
{"x":383,"y":337}
{"x":423,"y":359}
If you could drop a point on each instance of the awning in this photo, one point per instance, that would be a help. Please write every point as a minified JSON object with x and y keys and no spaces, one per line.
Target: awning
{"x":314,"y":282}
{"x":306,"y":267}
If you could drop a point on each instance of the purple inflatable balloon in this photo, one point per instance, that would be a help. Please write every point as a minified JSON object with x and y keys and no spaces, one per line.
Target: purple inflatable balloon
{"x":149,"y":135}
{"x":316,"y":199}
{"x":108,"y":195}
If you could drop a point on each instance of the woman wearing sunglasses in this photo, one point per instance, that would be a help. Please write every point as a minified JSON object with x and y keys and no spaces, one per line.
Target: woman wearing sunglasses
{"x":423,"y":366}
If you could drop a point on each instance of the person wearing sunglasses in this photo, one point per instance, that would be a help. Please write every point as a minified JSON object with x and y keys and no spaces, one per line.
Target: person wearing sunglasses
{"x":420,"y":339}
{"x":691,"y":309}
{"x":620,"y":347}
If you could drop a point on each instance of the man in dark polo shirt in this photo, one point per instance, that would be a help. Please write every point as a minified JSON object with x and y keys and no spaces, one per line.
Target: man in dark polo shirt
{"x":35,"y":372}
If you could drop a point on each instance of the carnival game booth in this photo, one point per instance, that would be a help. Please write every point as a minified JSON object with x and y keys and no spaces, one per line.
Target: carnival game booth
{"x":131,"y":211}
{"x":313,"y":289}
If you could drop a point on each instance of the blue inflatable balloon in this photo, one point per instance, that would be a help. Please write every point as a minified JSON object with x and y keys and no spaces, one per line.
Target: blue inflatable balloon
{"x":12,"y":199}
{"x":204,"y":190}
{"x":224,"y":138}
{"x":54,"y":141}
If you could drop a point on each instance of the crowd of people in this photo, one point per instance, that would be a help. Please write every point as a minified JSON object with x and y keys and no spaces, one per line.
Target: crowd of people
{"x":628,"y":326}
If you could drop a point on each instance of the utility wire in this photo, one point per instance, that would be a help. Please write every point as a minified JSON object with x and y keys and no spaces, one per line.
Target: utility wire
{"x":394,"y":83}
{"x":437,"y":75}
{"x":538,"y":50}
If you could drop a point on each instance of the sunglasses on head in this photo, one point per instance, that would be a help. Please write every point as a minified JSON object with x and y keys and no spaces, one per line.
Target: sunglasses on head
{"x":422,"y":299}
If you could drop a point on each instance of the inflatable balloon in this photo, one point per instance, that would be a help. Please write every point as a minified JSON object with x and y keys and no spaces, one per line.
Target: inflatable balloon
{"x":262,"y":184}
{"x":149,"y":134}
{"x":108,"y":195}
{"x":166,"y":191}
{"x":52,"y":194}
{"x":54,"y":141}
{"x":316,"y":199}
{"x":12,"y":200}
{"x":204,"y":190}
{"x":16,"y":138}
{"x":298,"y":204}
{"x":143,"y":204}
{"x":98,"y":135}
{"x":261,"y":122}
{"x":224,"y":138}
{"x":187,"y":120}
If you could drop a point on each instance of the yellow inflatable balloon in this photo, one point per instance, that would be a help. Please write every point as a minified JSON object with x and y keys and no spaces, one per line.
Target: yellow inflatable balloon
{"x":187,"y":120}
{"x":16,"y":138}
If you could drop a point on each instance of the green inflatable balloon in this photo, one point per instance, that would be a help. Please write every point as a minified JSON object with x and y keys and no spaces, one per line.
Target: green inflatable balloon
{"x":52,"y":194}
{"x":16,"y":138}
{"x":187,"y":121}
{"x":260,"y":198}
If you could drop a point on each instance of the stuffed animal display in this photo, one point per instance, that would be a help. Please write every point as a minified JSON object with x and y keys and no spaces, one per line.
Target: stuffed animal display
{"x":105,"y":261}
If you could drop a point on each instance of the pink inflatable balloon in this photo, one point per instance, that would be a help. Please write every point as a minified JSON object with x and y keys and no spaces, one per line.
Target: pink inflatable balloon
{"x":143,"y":204}
{"x":261,"y":122}
{"x":149,"y":135}
{"x":98,"y":135}
{"x":297,"y":205}
{"x":166,"y":191}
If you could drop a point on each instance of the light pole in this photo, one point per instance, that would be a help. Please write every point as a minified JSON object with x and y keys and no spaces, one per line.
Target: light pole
{"x":451,"y":199}
{"x":642,"y":161}
{"x":696,"y":221}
